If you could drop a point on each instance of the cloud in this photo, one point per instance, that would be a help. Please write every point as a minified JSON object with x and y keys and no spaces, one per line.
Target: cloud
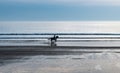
{"x":78,"y":2}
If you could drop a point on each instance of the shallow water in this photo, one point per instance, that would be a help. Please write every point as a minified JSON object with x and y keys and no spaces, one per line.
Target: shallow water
{"x":111,"y":27}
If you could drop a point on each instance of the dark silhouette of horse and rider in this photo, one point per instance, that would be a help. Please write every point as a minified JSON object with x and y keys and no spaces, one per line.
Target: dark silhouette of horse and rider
{"x":53,"y":40}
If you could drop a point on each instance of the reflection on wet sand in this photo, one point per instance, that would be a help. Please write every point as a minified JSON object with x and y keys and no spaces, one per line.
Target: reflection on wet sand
{"x":64,"y":61}
{"x":8,"y":59}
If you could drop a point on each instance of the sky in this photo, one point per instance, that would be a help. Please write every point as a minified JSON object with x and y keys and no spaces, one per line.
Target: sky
{"x":59,"y":10}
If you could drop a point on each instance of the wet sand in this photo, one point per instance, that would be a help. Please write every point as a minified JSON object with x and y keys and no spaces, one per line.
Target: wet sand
{"x":59,"y":59}
{"x":20,"y":52}
{"x":56,"y":50}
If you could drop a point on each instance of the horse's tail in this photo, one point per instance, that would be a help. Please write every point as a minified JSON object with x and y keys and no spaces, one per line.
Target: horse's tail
{"x":49,"y":38}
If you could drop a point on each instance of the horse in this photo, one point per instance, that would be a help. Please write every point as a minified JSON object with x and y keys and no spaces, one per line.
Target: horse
{"x":53,"y":39}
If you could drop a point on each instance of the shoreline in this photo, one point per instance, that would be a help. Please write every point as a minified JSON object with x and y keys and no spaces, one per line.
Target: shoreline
{"x":71,"y":47}
{"x":56,"y":50}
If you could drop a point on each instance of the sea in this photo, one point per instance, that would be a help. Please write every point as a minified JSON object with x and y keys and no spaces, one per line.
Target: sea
{"x":111,"y":29}
{"x":94,"y":34}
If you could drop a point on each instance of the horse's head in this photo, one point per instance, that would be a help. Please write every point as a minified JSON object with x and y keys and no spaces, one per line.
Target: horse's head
{"x":57,"y":36}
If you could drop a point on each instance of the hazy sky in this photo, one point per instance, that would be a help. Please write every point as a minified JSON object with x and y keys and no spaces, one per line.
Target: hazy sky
{"x":59,"y":10}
